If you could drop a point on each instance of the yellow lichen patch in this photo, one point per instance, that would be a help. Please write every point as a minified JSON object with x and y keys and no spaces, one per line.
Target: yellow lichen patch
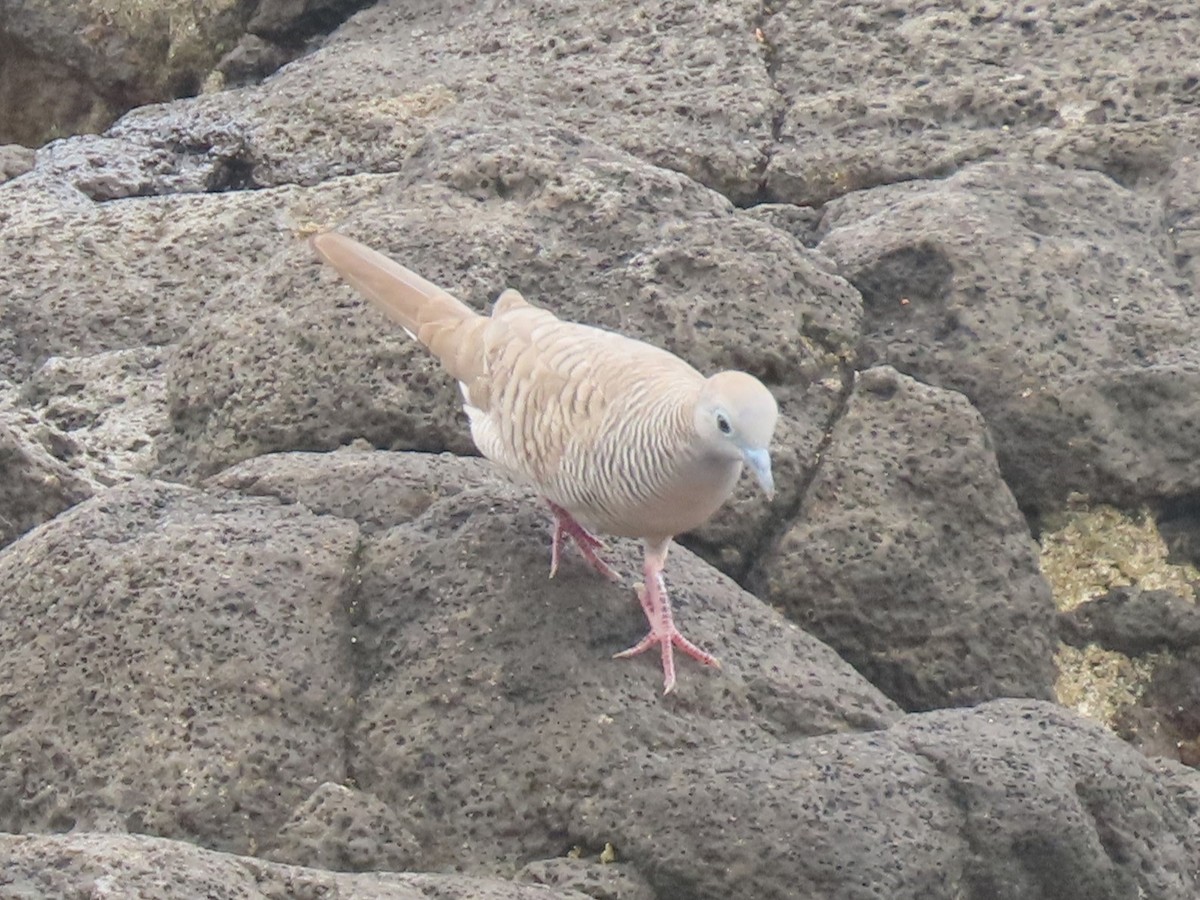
{"x":1086,"y":552}
{"x":1090,"y":550}
{"x":1100,"y":683}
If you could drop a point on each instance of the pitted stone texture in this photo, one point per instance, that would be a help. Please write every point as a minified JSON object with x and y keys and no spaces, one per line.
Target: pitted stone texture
{"x":378,"y":490}
{"x":1181,"y":216}
{"x":345,"y":830}
{"x":14,"y":160}
{"x":490,"y":723}
{"x":1052,"y":806}
{"x":173,"y":663}
{"x":82,"y":279}
{"x":126,"y":866}
{"x":473,"y":654}
{"x":1134,"y":621}
{"x":74,"y":67}
{"x":37,"y":479}
{"x":677,"y":84}
{"x":599,"y":880}
{"x":879,"y":93}
{"x":910,"y":557}
{"x":1048,"y":299}
{"x":112,"y":405}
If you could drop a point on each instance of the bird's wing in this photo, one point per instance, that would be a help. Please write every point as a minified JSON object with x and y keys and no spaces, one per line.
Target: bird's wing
{"x":554,"y":389}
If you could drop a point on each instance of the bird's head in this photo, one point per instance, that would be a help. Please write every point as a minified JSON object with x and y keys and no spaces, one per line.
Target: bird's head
{"x":735,"y":419}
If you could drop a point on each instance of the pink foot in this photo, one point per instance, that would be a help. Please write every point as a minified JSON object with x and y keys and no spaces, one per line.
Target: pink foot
{"x":565,"y":524}
{"x":657,"y":607}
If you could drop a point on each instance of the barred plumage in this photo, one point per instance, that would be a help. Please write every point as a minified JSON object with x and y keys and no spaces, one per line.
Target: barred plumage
{"x":615,"y":433}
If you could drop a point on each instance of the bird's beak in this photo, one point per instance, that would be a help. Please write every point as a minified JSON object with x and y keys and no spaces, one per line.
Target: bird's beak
{"x":759,"y":462}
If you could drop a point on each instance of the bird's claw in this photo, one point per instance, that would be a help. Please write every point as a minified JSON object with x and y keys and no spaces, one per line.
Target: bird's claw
{"x":588,"y":544}
{"x":664,"y":633}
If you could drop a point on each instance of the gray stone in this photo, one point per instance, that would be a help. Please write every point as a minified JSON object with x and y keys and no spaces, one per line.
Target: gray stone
{"x":910,"y":557}
{"x":1045,"y":297}
{"x":1052,"y":807}
{"x":345,"y":830}
{"x":377,"y":669}
{"x":102,"y":866}
{"x":84,"y":278}
{"x":599,"y":880}
{"x":14,"y":160}
{"x":680,"y":85}
{"x":580,"y":229}
{"x":425,"y":659}
{"x":1133,"y":621}
{"x":37,"y":479}
{"x":173,"y":663}
{"x":884,"y":93}
{"x":74,"y":67}
{"x":113,"y":406}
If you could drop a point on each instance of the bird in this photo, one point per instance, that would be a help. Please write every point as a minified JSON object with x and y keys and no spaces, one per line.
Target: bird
{"x":619,"y":437}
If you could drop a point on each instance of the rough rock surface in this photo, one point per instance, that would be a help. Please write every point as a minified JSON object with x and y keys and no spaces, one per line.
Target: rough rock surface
{"x":890,"y":92}
{"x":112,"y":865}
{"x":909,"y":555}
{"x":579,"y":228}
{"x":74,"y":67}
{"x":424,"y":658}
{"x":1073,"y":334}
{"x":354,"y":659}
{"x":1134,"y":621}
{"x":171,"y":665}
{"x":36,"y":480}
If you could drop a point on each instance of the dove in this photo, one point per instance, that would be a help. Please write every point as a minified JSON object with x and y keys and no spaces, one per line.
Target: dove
{"x":617,"y":436}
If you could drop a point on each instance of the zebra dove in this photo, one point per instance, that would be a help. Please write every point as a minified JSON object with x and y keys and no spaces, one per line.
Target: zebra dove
{"x":614,"y":433}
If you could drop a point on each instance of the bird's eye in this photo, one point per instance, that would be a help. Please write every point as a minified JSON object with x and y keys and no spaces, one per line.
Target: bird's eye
{"x":723,"y":424}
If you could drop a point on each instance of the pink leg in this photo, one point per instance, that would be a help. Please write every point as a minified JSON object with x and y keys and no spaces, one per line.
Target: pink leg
{"x":565,"y":524}
{"x":657,"y":607}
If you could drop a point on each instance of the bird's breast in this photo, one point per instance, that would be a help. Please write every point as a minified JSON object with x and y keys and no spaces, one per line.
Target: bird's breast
{"x":685,"y":501}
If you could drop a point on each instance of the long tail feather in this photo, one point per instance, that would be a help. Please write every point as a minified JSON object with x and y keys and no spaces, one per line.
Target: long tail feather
{"x":402,"y":294}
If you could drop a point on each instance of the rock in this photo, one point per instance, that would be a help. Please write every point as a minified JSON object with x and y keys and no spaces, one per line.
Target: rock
{"x":474,"y":704}
{"x":85,"y":278}
{"x":377,"y":490}
{"x":36,"y":480}
{"x":173,"y":663}
{"x":1051,"y":806}
{"x":119,"y":57}
{"x":1179,"y":525}
{"x":355,"y":658}
{"x":75,"y":67}
{"x":14,"y":160}
{"x":1173,"y":699}
{"x":1044,"y":296}
{"x":252,"y":60}
{"x":1180,"y":193}
{"x":909,"y":556}
{"x":885,"y":94}
{"x":112,"y":405}
{"x":1134,"y":621}
{"x":345,"y":830}
{"x":683,"y":87}
{"x":108,"y":865}
{"x":600,"y":881}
